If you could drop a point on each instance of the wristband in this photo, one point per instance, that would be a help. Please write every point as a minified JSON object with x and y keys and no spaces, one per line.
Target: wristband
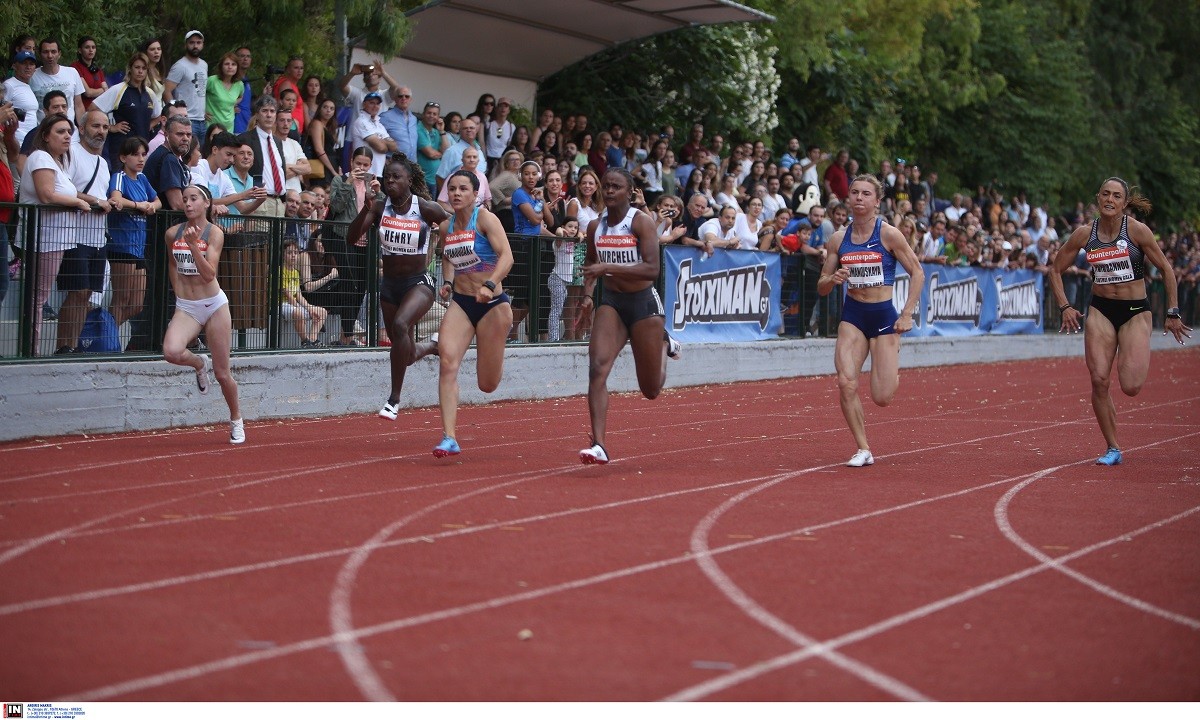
{"x":489,"y":285}
{"x":1064,"y":307}
{"x":448,"y":282}
{"x":1173,"y":313}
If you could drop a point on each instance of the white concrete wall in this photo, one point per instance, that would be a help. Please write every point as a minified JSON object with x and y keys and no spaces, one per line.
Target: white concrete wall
{"x":63,"y":398}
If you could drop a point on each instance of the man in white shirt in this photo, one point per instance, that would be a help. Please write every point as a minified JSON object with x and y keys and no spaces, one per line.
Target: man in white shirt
{"x":718,"y":232}
{"x":773,"y":202}
{"x":369,"y":131}
{"x":295,"y":164}
{"x":21,"y":95}
{"x":52,"y":76}
{"x":371,"y":75}
{"x":188,"y":81}
{"x":82,"y":269}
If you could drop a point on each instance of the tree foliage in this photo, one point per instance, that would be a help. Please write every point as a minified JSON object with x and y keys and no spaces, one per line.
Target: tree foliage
{"x":723,"y":76}
{"x":274,"y":29}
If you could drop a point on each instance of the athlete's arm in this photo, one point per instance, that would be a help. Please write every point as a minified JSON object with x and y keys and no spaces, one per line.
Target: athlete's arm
{"x":831,"y":274}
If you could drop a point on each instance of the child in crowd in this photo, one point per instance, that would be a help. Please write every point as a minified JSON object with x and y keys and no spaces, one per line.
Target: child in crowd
{"x":569,"y":235}
{"x":307,"y":318}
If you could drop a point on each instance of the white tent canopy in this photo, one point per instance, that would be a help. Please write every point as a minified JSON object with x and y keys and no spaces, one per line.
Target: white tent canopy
{"x":532,"y":39}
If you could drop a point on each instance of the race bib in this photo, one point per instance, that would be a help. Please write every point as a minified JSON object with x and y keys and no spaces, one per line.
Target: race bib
{"x":400,"y":236}
{"x":185,"y":262}
{"x":460,"y":250}
{"x":618,"y":249}
{"x":1111,"y":265}
{"x":866,"y":268}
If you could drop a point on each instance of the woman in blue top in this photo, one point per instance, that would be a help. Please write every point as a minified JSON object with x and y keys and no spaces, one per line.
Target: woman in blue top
{"x":863,"y":255}
{"x":476,"y":259}
{"x":133,"y":199}
{"x":403,"y":219}
{"x":527,"y":202}
{"x":1118,"y":327}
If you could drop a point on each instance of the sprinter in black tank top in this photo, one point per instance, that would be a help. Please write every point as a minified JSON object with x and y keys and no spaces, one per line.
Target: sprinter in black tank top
{"x":1119,"y":323}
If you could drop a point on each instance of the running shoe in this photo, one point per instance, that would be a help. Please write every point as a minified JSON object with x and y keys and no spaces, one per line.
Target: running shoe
{"x":237,"y":432}
{"x":674,"y":348}
{"x":1112,"y":457}
{"x":448,"y":446}
{"x":861,"y":458}
{"x":595,"y":455}
{"x":202,"y":374}
{"x":390,"y":410}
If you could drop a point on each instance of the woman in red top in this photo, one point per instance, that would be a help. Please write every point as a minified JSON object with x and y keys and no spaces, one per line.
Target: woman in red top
{"x":90,"y":71}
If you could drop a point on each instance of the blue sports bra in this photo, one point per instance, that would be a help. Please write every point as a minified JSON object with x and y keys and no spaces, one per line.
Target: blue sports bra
{"x":468,"y":250}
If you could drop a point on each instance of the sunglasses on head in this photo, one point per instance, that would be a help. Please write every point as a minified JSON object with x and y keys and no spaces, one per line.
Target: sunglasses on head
{"x":176,"y":103}
{"x":433,"y":104}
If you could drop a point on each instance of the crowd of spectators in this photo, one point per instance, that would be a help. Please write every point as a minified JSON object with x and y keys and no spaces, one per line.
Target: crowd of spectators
{"x":309,"y":149}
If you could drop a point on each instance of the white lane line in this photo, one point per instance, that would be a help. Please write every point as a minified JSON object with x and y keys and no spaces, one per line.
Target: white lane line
{"x":1001,"y":515}
{"x":705,"y":689}
{"x":708,"y":564}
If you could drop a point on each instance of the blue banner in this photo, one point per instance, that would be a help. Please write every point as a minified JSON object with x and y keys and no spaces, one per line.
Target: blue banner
{"x":959,"y":301}
{"x":732,"y":296}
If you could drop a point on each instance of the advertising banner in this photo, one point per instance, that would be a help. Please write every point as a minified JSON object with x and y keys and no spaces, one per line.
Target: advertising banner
{"x":732,"y":296}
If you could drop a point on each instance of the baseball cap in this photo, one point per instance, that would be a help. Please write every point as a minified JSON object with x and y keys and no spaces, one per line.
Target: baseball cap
{"x":372,"y":96}
{"x":23,"y":56}
{"x":504,"y":101}
{"x":190,"y":33}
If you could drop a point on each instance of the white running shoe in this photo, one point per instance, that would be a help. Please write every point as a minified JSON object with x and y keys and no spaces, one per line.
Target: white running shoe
{"x":237,"y":432}
{"x":202,"y":374}
{"x":861,"y":458}
{"x":674,"y":348}
{"x":594,"y":455}
{"x":390,"y":411}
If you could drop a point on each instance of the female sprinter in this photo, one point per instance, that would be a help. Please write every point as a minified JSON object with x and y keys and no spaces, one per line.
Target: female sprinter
{"x":477,"y":259}
{"x":1118,"y":327}
{"x":194,"y":248}
{"x":623,"y":249}
{"x":403,"y":220}
{"x":863,"y":255}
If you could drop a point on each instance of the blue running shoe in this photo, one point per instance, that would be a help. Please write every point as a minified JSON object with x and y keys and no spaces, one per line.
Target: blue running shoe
{"x":448,"y":446}
{"x":1112,"y":457}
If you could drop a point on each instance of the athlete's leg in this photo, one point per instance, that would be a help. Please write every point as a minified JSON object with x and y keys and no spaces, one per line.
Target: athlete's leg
{"x":608,"y":337}
{"x":218,"y":332}
{"x":400,"y":321}
{"x":1133,"y":353}
{"x":885,"y":368}
{"x":181,"y":331}
{"x":850,"y":352}
{"x":454,"y":337}
{"x":649,"y":354}
{"x":1099,"y":348}
{"x":490,"y":336}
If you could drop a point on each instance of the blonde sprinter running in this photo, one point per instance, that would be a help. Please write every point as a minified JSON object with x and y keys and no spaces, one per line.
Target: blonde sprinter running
{"x":864,"y":255}
{"x":476,"y":259}
{"x":194,"y":249}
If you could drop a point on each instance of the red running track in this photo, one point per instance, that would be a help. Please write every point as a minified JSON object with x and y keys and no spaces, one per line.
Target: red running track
{"x":725,"y":554}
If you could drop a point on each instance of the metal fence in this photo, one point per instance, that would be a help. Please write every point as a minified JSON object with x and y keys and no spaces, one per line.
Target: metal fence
{"x":43,"y":313}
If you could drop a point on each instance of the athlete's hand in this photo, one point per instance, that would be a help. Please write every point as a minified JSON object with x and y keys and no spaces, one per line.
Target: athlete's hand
{"x":594,"y":270}
{"x":840,"y":276}
{"x":904,"y":323}
{"x":446,"y":291}
{"x":1176,"y":327}
{"x":1070,"y":321}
